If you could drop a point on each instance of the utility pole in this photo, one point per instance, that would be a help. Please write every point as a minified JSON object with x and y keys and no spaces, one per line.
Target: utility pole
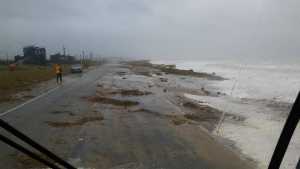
{"x":91,"y":56}
{"x":80,"y":57}
{"x":219,"y":125}
{"x":83,"y":57}
{"x":7,"y":62}
{"x":64,"y":50}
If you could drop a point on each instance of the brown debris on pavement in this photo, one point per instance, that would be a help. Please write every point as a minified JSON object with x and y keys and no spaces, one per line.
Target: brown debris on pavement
{"x":139,"y":68}
{"x":133,"y":92}
{"x":24,"y":161}
{"x":202,"y":112}
{"x":78,"y":122}
{"x":112,"y":101}
{"x":179,"y":120}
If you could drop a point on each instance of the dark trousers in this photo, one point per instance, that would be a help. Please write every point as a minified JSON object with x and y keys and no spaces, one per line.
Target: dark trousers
{"x":58,"y":77}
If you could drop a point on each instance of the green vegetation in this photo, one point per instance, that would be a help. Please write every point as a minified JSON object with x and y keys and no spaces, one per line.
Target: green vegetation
{"x":21,"y":79}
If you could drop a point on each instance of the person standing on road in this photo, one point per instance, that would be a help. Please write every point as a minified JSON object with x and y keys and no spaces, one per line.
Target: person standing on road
{"x":58,"y":71}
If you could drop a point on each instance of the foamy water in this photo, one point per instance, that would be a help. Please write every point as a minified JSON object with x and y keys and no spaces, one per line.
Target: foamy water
{"x":257,"y":136}
{"x":280,"y":82}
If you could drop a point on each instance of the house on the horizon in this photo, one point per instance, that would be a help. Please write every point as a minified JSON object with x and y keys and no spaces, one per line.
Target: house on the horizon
{"x":32,"y":55}
{"x":59,"y":58}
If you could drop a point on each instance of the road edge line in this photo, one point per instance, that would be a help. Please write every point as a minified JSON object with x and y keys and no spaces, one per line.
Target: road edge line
{"x":28,"y":101}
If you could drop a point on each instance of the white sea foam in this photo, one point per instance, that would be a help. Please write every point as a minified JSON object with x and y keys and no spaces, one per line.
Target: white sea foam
{"x":257,"y":136}
{"x":258,"y":81}
{"x":250,"y":89}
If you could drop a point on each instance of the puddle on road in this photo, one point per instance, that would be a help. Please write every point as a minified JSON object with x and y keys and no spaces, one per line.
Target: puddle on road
{"x":78,"y":122}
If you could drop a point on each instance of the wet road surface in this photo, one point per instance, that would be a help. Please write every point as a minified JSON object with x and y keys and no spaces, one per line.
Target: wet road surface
{"x":123,"y":139}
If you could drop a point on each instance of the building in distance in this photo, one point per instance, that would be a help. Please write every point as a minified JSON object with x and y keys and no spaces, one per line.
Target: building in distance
{"x":62,"y":59}
{"x":32,"y":55}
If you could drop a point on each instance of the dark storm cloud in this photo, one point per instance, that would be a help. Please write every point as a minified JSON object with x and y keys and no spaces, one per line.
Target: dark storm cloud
{"x":154,"y":28}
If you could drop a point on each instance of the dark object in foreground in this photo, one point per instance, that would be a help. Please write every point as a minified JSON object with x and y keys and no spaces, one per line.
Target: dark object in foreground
{"x":286,"y":135}
{"x":35,"y":145}
{"x":28,"y":152}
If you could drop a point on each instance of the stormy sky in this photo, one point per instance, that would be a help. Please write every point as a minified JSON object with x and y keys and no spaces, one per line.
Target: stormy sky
{"x":154,"y":28}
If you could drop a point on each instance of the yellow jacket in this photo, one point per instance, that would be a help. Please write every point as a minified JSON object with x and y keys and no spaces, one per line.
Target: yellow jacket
{"x":58,"y":69}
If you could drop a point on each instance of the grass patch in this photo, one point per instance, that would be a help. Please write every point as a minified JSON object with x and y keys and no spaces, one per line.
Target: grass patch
{"x":23,"y":78}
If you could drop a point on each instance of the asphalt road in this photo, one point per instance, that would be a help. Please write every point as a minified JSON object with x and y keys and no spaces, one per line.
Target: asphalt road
{"x":121,"y":140}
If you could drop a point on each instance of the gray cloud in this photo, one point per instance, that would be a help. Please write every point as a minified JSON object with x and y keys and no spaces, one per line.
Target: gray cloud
{"x":154,"y":28}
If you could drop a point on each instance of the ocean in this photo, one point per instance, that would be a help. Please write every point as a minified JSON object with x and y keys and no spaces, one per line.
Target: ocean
{"x":250,"y":88}
{"x":265,"y":80}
